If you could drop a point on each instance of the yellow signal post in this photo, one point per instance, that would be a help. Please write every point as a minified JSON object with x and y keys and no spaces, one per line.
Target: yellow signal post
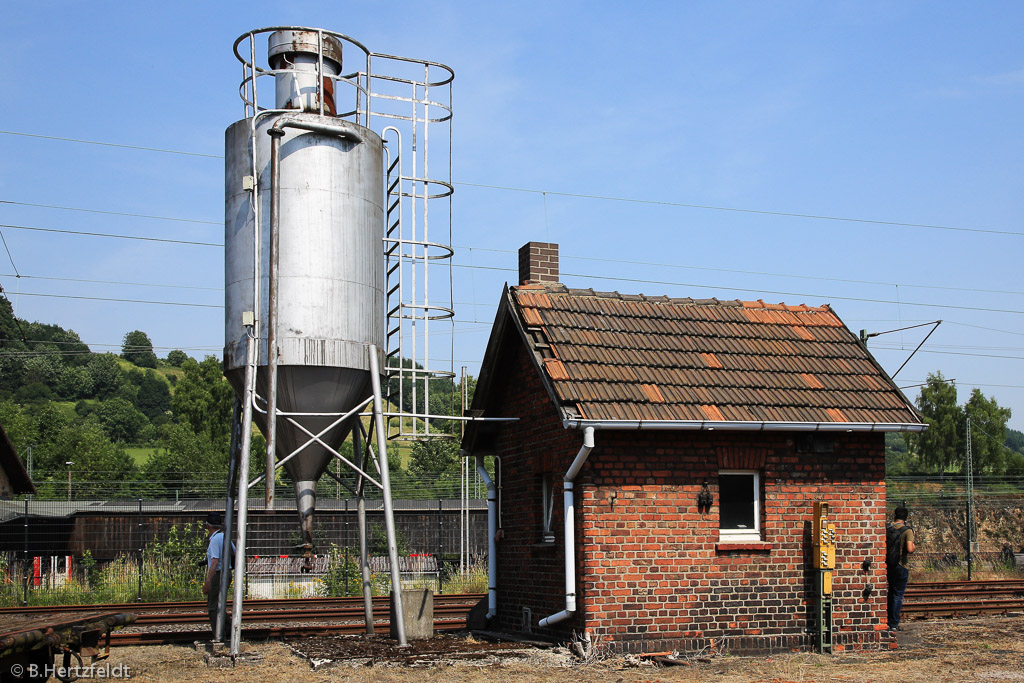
{"x":823,"y":558}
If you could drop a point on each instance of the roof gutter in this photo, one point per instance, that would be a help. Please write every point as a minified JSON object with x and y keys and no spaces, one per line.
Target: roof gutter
{"x":744,"y":426}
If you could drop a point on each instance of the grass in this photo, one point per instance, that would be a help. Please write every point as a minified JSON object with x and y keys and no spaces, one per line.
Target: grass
{"x":140,"y":454}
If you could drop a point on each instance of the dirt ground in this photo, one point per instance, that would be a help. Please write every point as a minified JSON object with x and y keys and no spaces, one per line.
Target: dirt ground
{"x":970,"y":649}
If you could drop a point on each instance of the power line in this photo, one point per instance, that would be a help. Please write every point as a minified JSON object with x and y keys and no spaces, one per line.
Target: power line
{"x":755,"y":272}
{"x":111,"y":235}
{"x":988,"y":329}
{"x":504,"y":251}
{"x":642,"y":263}
{"x":507,"y":251}
{"x":108,"y":213}
{"x":830,"y":297}
{"x":577,"y":195}
{"x":111,"y":144}
{"x":653,"y":282}
{"x":123,"y":301}
{"x":112,"y":282}
{"x":762,"y":212}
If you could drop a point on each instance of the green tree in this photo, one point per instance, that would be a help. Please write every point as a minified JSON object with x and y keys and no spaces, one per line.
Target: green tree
{"x":67,"y":342}
{"x":435,"y":463}
{"x":187,"y":463}
{"x":988,"y":433}
{"x":898,"y":459}
{"x":18,"y":424}
{"x":137,"y":348}
{"x":44,"y":366}
{"x":940,"y":447}
{"x":50,"y":423}
{"x":434,"y":457}
{"x":176,"y":357}
{"x":154,"y":397}
{"x":36,"y":392}
{"x":202,"y":399}
{"x":12,"y":348}
{"x":75,"y":383}
{"x":101,"y":468}
{"x":1015,"y":440}
{"x":120,"y":420}
{"x":107,"y":377}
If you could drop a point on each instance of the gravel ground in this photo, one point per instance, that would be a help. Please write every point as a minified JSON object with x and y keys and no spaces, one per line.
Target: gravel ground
{"x":973,"y":649}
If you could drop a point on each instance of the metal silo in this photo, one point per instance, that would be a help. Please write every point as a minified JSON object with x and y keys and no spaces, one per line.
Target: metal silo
{"x":329,"y":250}
{"x":321,"y":230}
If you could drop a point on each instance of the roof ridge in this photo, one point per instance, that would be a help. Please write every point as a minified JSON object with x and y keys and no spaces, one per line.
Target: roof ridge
{"x":783,"y":306}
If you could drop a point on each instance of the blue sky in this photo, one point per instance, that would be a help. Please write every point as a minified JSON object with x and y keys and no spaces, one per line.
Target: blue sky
{"x":900,"y":113}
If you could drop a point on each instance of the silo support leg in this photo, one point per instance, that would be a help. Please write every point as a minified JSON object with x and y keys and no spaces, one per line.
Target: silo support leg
{"x":243,"y":497}
{"x":389,"y":512}
{"x":364,"y":556}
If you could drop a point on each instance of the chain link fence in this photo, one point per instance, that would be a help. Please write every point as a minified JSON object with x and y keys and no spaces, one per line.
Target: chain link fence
{"x":107,"y":550}
{"x":956,"y":533}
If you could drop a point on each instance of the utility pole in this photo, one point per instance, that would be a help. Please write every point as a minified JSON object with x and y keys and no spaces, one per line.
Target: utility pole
{"x":970,"y":504}
{"x":69,"y":464}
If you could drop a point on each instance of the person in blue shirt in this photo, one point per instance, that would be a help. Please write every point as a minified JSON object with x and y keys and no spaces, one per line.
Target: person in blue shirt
{"x":214,"y":561}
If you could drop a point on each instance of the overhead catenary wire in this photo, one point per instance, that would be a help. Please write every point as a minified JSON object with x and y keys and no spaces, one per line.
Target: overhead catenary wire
{"x":505,"y":251}
{"x":111,"y":235}
{"x":580,"y":195}
{"x":600,"y":197}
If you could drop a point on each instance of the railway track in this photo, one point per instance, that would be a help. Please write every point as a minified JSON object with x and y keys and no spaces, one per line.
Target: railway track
{"x":963,"y":598}
{"x":268,"y":632}
{"x":379,"y":603}
{"x":170,"y":622}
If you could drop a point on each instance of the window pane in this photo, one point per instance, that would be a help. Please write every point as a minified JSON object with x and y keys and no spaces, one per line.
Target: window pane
{"x":736,"y":501}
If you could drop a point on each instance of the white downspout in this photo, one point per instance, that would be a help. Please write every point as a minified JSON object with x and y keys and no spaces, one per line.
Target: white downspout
{"x":570,"y":531}
{"x":492,"y":531}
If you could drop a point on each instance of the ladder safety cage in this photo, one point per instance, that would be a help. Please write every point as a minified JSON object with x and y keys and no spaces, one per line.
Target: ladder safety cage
{"x":408,"y":102}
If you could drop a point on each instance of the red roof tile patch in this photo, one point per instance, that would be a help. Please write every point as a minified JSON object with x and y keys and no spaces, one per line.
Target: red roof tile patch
{"x":802,"y":332}
{"x":556,"y":369}
{"x":652,"y":393}
{"x":532,"y":317}
{"x":711,"y":360}
{"x":812,"y":381}
{"x":836,"y":415}
{"x":538,"y":300}
{"x":712,"y":413}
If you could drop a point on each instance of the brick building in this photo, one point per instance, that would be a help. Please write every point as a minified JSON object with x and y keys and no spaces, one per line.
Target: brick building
{"x":656,"y":491}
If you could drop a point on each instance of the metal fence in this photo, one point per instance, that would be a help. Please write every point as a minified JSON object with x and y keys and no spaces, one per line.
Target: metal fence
{"x":104,"y":551}
{"x":960,"y":533}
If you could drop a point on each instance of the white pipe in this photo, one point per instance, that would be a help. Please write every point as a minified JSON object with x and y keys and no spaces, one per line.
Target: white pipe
{"x":752,"y":426}
{"x":570,"y":530}
{"x":492,"y":531}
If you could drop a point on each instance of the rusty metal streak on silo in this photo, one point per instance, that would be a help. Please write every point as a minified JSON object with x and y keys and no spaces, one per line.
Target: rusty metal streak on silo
{"x":331,"y":297}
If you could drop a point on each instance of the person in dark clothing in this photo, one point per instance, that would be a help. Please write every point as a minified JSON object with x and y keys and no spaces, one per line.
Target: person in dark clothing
{"x":899,"y":544}
{"x":214,"y":561}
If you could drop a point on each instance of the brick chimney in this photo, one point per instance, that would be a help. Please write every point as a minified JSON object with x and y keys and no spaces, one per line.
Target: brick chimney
{"x":538,"y":262}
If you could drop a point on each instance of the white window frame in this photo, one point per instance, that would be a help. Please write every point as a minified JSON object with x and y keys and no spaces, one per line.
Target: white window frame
{"x":547,"y":508}
{"x":742,"y":535}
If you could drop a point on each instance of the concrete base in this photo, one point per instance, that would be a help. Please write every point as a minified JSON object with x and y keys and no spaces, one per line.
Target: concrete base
{"x":418,"y":606}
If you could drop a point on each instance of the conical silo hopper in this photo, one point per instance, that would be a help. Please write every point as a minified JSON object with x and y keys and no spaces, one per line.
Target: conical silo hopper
{"x":321,"y":259}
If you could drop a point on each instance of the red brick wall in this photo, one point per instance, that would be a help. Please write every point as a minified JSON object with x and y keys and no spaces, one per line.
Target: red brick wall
{"x":650,"y":573}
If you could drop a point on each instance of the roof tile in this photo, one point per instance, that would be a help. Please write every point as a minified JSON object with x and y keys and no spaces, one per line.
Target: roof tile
{"x":623,"y":356}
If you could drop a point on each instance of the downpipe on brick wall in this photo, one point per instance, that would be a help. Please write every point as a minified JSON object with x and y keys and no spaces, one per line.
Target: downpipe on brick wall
{"x":570,"y":531}
{"x":492,"y":532}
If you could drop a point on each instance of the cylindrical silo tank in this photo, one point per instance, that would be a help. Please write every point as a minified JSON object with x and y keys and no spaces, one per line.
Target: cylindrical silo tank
{"x":330,"y":282}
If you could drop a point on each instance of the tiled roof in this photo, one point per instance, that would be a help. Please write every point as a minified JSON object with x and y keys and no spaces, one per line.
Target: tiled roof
{"x":610,"y":356}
